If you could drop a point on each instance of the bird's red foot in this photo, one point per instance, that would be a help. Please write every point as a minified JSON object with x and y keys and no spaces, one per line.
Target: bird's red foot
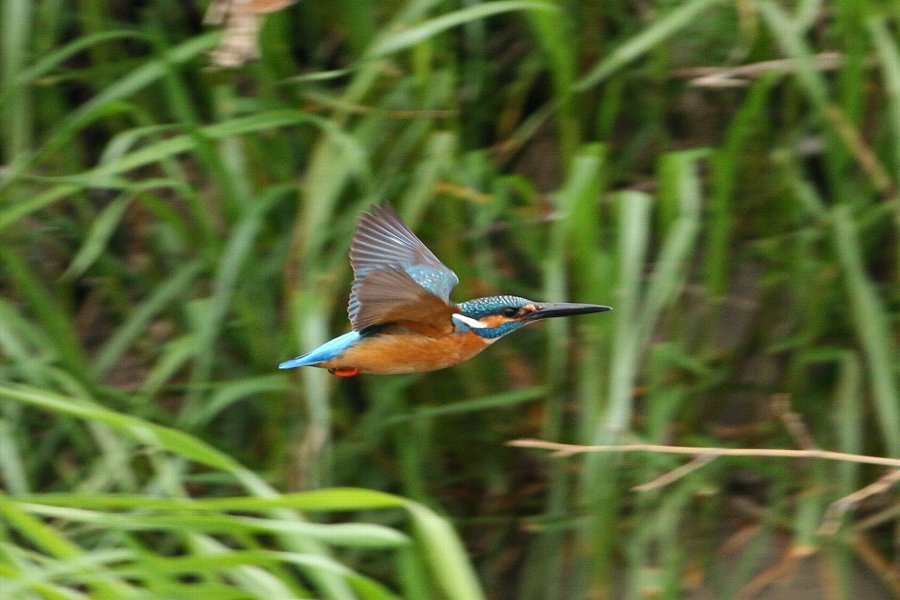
{"x":345,"y":371}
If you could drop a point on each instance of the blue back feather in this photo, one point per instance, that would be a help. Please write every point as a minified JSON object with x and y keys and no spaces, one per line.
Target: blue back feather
{"x":327,"y":351}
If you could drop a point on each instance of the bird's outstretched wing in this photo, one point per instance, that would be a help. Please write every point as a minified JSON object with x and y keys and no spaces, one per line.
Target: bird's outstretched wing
{"x":396,"y":277}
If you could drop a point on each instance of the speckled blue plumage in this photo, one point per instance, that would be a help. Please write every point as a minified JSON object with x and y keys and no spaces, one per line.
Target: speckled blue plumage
{"x":482,"y":307}
{"x":490,"y":305}
{"x":437,"y":281}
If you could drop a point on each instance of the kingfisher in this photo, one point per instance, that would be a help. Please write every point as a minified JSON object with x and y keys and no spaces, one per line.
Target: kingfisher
{"x":400,"y":309}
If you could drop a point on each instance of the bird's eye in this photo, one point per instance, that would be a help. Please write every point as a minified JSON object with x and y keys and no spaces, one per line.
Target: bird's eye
{"x":510,"y":312}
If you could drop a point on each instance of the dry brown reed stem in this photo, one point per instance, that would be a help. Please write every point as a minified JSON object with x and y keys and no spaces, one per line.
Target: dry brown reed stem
{"x":835,"y":513}
{"x":563,"y":450}
{"x":703,"y":455}
{"x":741,"y":75}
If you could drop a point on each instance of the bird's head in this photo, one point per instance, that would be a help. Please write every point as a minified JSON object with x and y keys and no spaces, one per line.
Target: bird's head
{"x":495,"y":316}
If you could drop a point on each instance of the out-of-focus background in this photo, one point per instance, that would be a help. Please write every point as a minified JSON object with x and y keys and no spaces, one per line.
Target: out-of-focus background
{"x":176,"y":202}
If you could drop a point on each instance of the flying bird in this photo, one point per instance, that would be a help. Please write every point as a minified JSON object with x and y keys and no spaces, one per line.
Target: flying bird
{"x":400,"y":309}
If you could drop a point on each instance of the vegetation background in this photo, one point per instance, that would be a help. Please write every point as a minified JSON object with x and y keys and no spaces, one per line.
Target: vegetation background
{"x":724,"y":173}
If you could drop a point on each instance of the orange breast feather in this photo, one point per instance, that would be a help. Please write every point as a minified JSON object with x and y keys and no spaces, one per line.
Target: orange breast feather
{"x":406,"y":351}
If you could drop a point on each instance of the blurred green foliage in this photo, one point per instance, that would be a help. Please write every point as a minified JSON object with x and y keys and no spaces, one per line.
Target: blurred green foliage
{"x":725,"y":174}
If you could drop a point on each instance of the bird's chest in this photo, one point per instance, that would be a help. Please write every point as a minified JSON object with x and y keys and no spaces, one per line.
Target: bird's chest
{"x":409,"y":352}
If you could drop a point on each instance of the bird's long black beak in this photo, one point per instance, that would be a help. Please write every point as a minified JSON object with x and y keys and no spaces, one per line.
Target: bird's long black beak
{"x":564,"y":309}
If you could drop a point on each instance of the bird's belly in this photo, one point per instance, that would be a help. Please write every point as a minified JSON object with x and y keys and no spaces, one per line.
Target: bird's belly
{"x":407,"y":352}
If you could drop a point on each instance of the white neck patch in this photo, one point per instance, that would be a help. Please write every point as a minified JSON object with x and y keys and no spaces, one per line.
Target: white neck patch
{"x":472,"y":323}
{"x":475,"y":324}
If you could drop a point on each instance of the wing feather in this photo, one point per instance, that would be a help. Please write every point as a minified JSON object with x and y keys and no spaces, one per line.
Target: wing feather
{"x":381,"y":239}
{"x":396,"y":277}
{"x":389,"y":294}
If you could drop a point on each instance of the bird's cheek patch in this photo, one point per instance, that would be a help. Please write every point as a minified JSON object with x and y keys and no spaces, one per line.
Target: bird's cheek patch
{"x":492,"y":321}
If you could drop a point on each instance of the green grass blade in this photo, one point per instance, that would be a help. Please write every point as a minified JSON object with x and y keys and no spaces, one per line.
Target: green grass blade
{"x":634,"y":226}
{"x":872,"y":326}
{"x":117,"y":344}
{"x":52,"y":315}
{"x":48,"y":540}
{"x":17,"y":113}
{"x":445,"y":554}
{"x":142,"y":431}
{"x":642,"y":43}
{"x":394,"y":41}
{"x":889,"y":56}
